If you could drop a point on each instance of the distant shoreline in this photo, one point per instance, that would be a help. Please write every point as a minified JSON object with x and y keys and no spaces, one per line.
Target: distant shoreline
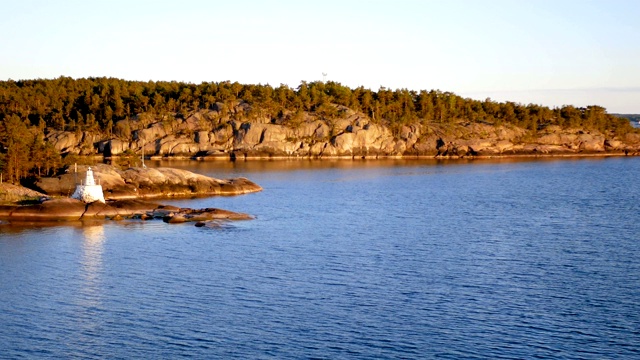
{"x":386,"y":157}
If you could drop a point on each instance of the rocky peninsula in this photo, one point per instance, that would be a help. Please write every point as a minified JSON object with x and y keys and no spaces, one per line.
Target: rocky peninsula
{"x":126,"y":194}
{"x":145,"y":183}
{"x":46,"y":122}
{"x":67,"y":209}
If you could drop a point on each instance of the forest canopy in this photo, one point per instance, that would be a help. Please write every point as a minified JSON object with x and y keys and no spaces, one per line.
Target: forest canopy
{"x":29,"y":109}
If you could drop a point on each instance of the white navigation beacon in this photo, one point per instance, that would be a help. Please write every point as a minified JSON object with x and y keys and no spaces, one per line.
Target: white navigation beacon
{"x":89,"y":191}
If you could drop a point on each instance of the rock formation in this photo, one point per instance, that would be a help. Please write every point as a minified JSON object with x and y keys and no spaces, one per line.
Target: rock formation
{"x":209,"y":134}
{"x":147,"y":183}
{"x":10,"y":193}
{"x":67,"y":209}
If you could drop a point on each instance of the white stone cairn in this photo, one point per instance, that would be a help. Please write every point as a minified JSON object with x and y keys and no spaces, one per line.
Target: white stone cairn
{"x":89,"y":191}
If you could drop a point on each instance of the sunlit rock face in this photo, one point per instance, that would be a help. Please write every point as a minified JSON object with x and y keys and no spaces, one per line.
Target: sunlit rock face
{"x":88,"y":192}
{"x":146,"y":183}
{"x":207,"y":134}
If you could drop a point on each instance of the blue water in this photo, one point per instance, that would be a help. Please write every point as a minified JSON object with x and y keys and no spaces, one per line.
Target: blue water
{"x":356,"y":260}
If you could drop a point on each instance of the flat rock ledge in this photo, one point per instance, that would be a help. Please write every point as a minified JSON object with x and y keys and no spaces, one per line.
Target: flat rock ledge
{"x":67,"y":209}
{"x":141,"y":183}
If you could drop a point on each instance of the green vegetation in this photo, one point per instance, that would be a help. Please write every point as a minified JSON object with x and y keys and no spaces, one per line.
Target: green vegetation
{"x":631,"y":117}
{"x":30,"y":109}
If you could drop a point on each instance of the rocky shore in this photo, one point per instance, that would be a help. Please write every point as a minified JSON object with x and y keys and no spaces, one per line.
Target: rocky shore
{"x":10,"y":193}
{"x":136,"y":183}
{"x":126,"y":193}
{"x":214,"y":135}
{"x":67,"y":209}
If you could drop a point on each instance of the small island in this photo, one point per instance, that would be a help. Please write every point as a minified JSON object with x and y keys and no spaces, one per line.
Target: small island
{"x":50,"y":122}
{"x":125,"y":195}
{"x":48,"y":125}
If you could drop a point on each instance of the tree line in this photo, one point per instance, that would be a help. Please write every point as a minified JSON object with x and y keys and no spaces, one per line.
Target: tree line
{"x":29,"y":109}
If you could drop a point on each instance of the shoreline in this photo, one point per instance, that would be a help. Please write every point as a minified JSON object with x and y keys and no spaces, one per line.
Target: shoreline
{"x":68,"y":209}
{"x":386,"y":157}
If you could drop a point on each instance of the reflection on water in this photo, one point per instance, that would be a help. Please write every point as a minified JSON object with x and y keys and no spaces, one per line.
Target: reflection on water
{"x":246,"y":168}
{"x":353,"y":260}
{"x":90,"y":292}
{"x":92,"y":249}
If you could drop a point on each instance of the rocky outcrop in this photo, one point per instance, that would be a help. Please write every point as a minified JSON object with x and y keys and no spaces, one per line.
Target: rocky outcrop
{"x":67,"y":209}
{"x":199,"y":215}
{"x":10,"y":193}
{"x":51,"y":210}
{"x":146,"y":183}
{"x":226,"y":133}
{"x":79,"y":143}
{"x":486,"y":140}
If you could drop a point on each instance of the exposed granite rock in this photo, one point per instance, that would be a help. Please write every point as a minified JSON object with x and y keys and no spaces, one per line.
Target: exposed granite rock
{"x":72,"y":209}
{"x":57,"y":209}
{"x":225,"y":133}
{"x":147,"y":183}
{"x":10,"y":193}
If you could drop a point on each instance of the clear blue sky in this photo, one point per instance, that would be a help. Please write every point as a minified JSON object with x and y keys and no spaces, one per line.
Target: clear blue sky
{"x":549,"y":52}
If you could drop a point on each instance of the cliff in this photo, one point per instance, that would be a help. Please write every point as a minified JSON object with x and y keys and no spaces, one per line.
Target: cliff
{"x":212,"y":134}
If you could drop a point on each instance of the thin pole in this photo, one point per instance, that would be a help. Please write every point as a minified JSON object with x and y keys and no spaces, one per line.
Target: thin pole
{"x":142,"y":156}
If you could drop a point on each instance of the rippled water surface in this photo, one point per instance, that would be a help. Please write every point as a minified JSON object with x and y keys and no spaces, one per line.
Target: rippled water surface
{"x":388,"y":259}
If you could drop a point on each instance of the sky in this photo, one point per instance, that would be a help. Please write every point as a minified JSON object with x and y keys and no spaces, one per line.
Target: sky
{"x":548,"y":52}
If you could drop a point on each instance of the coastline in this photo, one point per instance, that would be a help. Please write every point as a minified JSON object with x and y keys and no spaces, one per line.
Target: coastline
{"x":136,"y":189}
{"x":389,"y":157}
{"x":67,"y":209}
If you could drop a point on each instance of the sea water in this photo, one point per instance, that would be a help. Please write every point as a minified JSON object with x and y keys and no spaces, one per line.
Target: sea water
{"x":346,"y":259}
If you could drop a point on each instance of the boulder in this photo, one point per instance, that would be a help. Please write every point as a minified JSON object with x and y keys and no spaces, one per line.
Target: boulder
{"x":275,"y":133}
{"x":60,"y":185}
{"x":10,"y":193}
{"x":64,"y":141}
{"x":172,"y":145}
{"x":478,"y":145}
{"x":611,"y":144}
{"x":409,"y":134}
{"x":152,"y":133}
{"x":504,"y":145}
{"x":343,"y":143}
{"x":106,"y":175}
{"x":202,"y":216}
{"x":175,"y":219}
{"x":213,"y":214}
{"x":312,"y":129}
{"x":274,"y":149}
{"x":115,"y":147}
{"x":248,"y":135}
{"x":426,"y":146}
{"x":590,"y":142}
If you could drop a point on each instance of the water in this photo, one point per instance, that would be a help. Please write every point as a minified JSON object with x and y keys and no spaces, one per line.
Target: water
{"x":388,"y":259}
